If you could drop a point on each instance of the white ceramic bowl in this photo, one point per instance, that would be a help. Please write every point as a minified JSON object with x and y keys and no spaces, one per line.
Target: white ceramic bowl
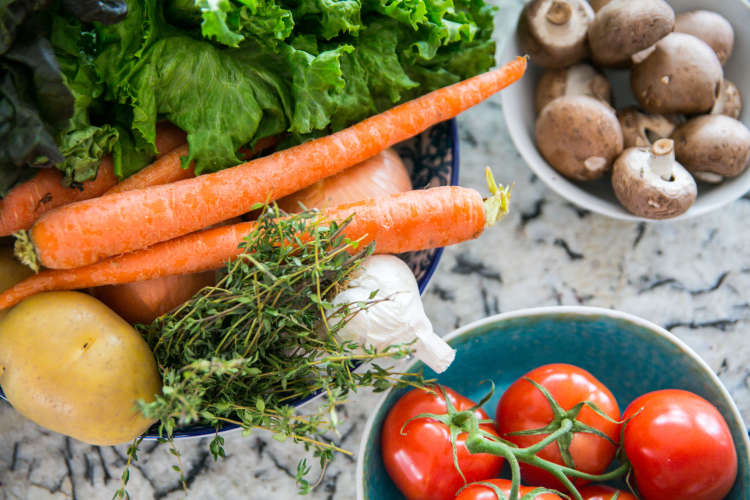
{"x":597,"y":196}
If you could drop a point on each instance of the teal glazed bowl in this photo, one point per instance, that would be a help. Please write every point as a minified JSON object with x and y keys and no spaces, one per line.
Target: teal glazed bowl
{"x":628,"y":354}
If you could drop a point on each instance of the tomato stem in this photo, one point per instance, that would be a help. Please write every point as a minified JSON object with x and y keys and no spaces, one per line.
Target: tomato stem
{"x":558,"y":431}
{"x":565,"y":426}
{"x":477,"y":443}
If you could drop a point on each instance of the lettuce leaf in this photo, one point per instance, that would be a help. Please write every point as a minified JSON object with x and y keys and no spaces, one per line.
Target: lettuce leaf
{"x":48,"y":88}
{"x":228,"y":72}
{"x":232,"y":71}
{"x":13,"y":13}
{"x":33,"y":102}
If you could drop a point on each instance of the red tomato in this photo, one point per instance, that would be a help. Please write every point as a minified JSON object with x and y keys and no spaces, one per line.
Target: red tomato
{"x":420,"y":460}
{"x":680,"y":447}
{"x":599,"y":492}
{"x":480,"y":492}
{"x":524,"y":407}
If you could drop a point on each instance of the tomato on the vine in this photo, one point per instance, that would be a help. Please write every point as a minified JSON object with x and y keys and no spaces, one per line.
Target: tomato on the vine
{"x":479,"y":491}
{"x":524,"y":407}
{"x":600,"y":492}
{"x":679,"y":446}
{"x":418,"y":455}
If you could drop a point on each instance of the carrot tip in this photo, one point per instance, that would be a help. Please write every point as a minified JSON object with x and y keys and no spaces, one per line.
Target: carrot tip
{"x":498,"y":204}
{"x":23,"y":249}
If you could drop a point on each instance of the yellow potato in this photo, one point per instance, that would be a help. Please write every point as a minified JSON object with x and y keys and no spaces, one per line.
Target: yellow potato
{"x":70,"y":364}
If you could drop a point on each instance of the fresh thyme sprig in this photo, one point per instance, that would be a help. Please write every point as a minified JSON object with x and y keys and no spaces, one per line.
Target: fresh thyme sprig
{"x":264,"y":338}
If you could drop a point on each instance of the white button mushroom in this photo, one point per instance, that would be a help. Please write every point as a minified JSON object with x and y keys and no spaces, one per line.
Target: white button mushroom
{"x":710,"y":27}
{"x":716,"y":145}
{"x":580,"y":79}
{"x":579,"y":136}
{"x":650,"y":183}
{"x":681,"y":75}
{"x":622,"y":28}
{"x":553,"y":32}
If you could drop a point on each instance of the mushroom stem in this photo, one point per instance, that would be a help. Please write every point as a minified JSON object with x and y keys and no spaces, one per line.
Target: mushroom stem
{"x":559,"y":12}
{"x":662,"y":158}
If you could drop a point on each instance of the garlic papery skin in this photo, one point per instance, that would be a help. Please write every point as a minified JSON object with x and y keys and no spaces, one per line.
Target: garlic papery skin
{"x":394,"y":315}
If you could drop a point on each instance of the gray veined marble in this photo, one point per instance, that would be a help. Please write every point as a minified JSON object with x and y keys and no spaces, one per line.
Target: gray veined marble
{"x":692,"y":277}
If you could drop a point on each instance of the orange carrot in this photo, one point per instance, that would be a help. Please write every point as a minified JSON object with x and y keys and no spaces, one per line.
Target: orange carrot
{"x":45,"y":191}
{"x":397,"y":223}
{"x":144,"y":301}
{"x":168,"y":168}
{"x":381,"y":175}
{"x":85,"y":232}
{"x":164,"y":170}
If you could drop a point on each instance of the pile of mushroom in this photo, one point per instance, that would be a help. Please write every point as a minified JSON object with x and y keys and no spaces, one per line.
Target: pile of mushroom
{"x":686,"y":126}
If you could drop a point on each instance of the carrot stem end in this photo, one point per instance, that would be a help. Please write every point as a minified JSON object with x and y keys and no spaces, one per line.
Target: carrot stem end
{"x":23,"y":249}
{"x":498,"y":204}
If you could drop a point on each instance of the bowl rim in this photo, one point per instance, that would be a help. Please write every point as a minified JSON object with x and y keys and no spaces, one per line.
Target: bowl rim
{"x":535,"y":312}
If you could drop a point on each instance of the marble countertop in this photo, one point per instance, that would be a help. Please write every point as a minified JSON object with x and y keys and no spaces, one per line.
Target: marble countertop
{"x":691,"y":277}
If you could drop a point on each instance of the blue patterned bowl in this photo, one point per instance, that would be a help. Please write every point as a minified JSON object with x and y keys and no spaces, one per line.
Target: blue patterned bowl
{"x":629,"y":355}
{"x":432,"y":160}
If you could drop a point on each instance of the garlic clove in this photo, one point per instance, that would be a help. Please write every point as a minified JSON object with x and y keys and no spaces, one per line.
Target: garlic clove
{"x":394,"y":315}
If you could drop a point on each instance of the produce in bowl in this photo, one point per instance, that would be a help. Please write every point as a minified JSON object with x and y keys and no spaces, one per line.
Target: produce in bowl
{"x":179,"y":125}
{"x":686,"y":70}
{"x":629,"y":356}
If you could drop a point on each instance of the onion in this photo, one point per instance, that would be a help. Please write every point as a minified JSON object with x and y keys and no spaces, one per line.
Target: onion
{"x":381,"y":175}
{"x":144,"y":301}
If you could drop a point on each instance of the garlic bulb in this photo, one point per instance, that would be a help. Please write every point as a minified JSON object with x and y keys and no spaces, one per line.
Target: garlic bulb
{"x":396,"y":316}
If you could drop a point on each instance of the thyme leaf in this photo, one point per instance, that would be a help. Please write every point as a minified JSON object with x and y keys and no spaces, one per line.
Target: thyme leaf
{"x":245,"y":351}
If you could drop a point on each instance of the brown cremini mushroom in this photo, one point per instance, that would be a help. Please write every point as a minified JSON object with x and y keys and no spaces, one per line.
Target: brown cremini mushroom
{"x":622,"y":28}
{"x":641,"y":129}
{"x":650,"y":183}
{"x":579,"y":136}
{"x":729,"y":102}
{"x":681,"y":75}
{"x":580,"y":79}
{"x":598,"y":4}
{"x":710,"y":27}
{"x":553,"y":32}
{"x":713,"y":147}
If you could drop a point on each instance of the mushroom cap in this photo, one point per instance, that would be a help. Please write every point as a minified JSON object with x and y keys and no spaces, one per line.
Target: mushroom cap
{"x":644,"y":193}
{"x":579,"y":136}
{"x":623,"y":27}
{"x":711,"y":27}
{"x":580,"y":79}
{"x":681,"y":75}
{"x":598,"y":4}
{"x":549,"y":39}
{"x":729,"y":101}
{"x":641,"y":129}
{"x":713,"y":143}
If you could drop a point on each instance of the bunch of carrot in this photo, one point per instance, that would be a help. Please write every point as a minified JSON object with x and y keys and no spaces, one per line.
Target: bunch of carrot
{"x":86,"y":243}
{"x":45,"y":191}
